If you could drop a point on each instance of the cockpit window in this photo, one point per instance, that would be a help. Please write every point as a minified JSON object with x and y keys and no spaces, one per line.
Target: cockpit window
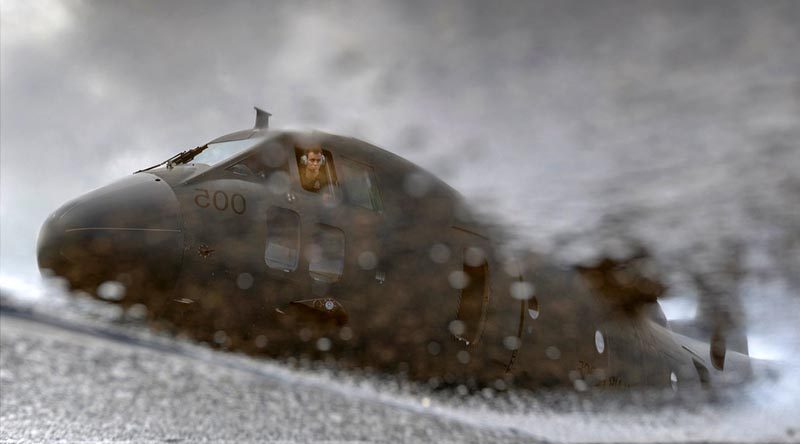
{"x":360,"y":185}
{"x":317,"y":172}
{"x":269,"y":163}
{"x":217,"y":152}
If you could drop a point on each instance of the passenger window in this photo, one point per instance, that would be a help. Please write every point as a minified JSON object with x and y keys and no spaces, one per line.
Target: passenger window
{"x":283,"y":239}
{"x":360,"y":185}
{"x":263,"y":163}
{"x":316,"y":168}
{"x":326,"y":254}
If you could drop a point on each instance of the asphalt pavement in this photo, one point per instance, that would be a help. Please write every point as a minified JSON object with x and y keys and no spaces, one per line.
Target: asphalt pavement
{"x":73,"y":370}
{"x":64,"y":385}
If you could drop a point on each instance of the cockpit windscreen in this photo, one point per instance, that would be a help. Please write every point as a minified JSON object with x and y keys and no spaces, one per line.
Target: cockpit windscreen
{"x":217,"y":152}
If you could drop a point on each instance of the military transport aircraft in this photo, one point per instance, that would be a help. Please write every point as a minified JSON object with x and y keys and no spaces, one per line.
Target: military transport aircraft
{"x":310,"y":244}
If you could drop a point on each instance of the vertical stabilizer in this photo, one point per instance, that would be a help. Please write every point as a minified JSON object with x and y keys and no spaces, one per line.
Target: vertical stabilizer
{"x":262,"y":119}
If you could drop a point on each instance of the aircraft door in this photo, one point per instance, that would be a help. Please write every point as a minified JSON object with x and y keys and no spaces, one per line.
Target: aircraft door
{"x":360,"y":215}
{"x":470,"y":280}
{"x":363,"y":207}
{"x":472,"y":284}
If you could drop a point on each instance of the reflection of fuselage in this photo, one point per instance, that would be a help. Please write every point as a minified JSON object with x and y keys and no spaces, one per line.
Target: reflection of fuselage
{"x":388,"y":270}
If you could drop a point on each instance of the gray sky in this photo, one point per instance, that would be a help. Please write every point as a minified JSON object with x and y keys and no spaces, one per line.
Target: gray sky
{"x":682,"y":116}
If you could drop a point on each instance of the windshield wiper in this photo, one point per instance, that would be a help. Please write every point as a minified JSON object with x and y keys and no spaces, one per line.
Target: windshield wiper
{"x":185,"y":156}
{"x":182,"y":157}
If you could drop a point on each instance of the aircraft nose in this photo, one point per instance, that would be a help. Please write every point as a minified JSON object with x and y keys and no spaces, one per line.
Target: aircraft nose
{"x":127,"y":232}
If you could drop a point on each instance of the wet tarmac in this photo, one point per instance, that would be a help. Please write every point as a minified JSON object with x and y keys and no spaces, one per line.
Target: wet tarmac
{"x":674,"y":123}
{"x":69,"y":374}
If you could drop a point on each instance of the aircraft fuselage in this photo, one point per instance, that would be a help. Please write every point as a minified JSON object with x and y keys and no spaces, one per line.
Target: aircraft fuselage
{"x":383,"y":266}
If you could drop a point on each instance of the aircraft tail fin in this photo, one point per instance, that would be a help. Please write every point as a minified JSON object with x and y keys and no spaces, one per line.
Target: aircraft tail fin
{"x":262,"y":118}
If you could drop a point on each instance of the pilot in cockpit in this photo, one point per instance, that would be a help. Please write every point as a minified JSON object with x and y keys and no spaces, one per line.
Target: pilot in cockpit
{"x":313,"y":171}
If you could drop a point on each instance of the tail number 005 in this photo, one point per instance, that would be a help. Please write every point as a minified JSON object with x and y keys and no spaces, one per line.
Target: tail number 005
{"x":220,"y":200}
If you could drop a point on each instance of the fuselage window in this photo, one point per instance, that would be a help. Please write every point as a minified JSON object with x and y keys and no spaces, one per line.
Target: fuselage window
{"x":326,"y":254}
{"x":263,"y":163}
{"x":316,"y":168}
{"x":360,"y":185}
{"x":283,"y":239}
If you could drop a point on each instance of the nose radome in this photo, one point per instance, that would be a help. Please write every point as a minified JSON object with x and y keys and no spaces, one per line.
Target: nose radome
{"x":127,"y":232}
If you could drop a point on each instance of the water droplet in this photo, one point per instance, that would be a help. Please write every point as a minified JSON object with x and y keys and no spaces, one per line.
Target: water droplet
{"x":456,"y":327}
{"x":345,"y":333}
{"x":426,"y":402}
{"x":580,"y":385}
{"x":440,"y":253}
{"x":474,"y":257}
{"x":417,"y":184}
{"x":261,"y":341}
{"x":673,"y":380}
{"x":323,"y":344}
{"x":522,"y":290}
{"x":137,"y":311}
{"x":599,"y":342}
{"x":511,"y":342}
{"x":111,"y":290}
{"x":274,"y":156}
{"x":367,"y":260}
{"x":463,"y":357}
{"x":552,"y":352}
{"x":220,"y":337}
{"x":244,"y":281}
{"x":458,"y":280}
{"x":434,"y":348}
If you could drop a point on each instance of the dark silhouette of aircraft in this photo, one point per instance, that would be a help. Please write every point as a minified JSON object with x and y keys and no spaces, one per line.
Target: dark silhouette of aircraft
{"x":310,"y":244}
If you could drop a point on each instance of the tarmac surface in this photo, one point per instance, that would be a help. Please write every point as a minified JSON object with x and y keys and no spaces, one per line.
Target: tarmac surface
{"x":672,"y":123}
{"x":61,"y":384}
{"x":72,"y":373}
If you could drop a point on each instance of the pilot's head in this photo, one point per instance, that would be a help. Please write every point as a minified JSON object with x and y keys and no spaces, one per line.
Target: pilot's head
{"x":314,"y":160}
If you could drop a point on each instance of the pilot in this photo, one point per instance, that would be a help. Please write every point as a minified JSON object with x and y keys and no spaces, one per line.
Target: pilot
{"x":312,"y":172}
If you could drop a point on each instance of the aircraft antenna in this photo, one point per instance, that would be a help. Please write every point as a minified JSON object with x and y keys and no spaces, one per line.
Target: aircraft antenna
{"x":262,"y":118}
